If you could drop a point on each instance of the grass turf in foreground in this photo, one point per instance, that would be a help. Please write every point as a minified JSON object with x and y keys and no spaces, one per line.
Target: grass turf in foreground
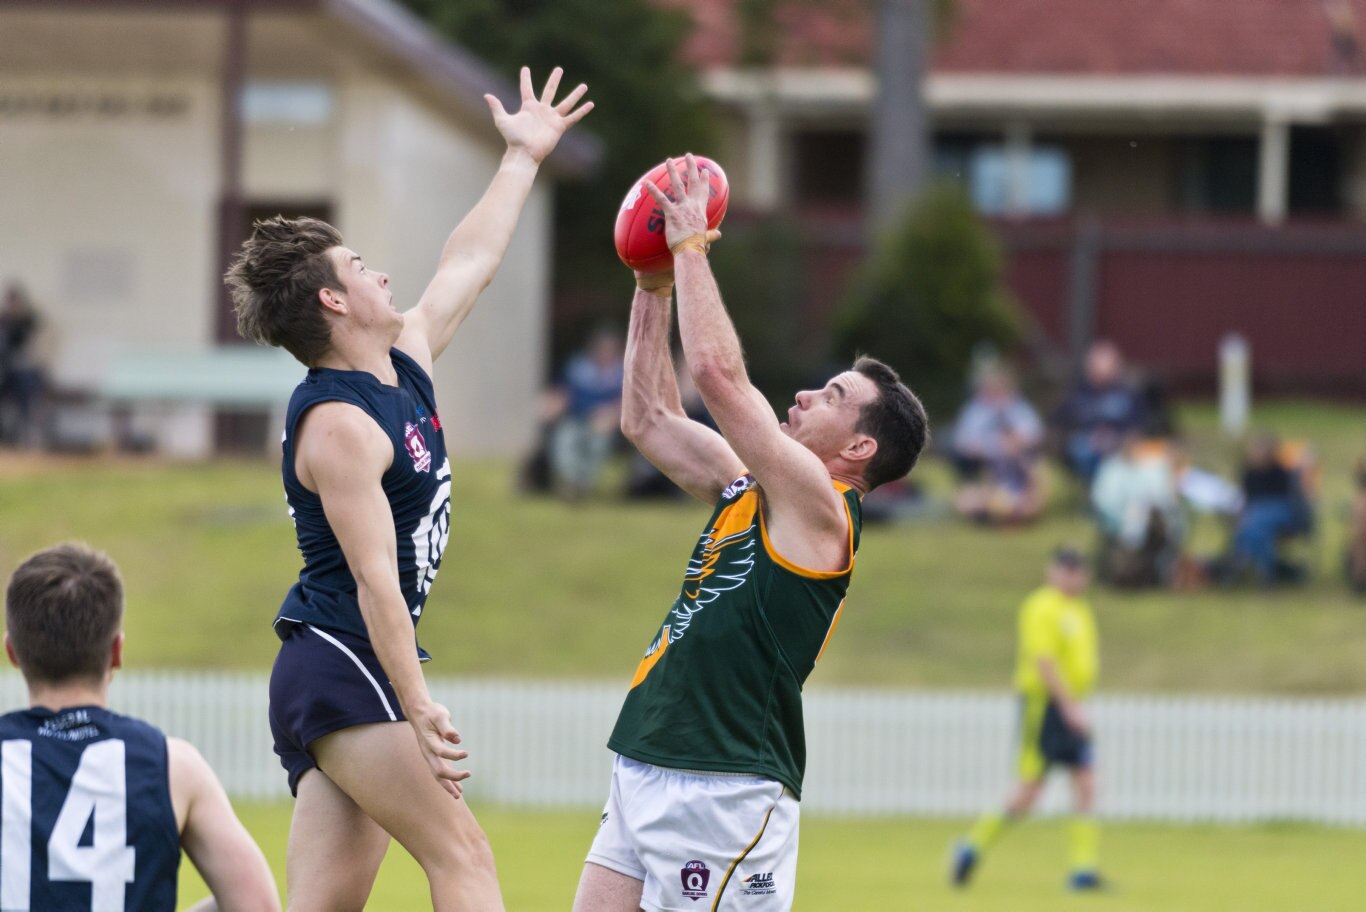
{"x":899,"y":864}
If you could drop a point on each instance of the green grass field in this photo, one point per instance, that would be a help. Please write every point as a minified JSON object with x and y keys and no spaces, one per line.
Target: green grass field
{"x":897,"y":865}
{"x":536,"y":587}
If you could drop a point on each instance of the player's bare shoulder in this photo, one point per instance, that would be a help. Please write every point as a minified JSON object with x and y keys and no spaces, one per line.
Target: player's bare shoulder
{"x":811,"y":532}
{"x":333,"y":434}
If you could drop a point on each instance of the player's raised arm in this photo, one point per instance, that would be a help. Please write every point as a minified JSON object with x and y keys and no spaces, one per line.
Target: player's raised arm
{"x":474,"y":249}
{"x":692,"y":455}
{"x":795,"y":481}
{"x":220,"y":848}
{"x":343,"y":455}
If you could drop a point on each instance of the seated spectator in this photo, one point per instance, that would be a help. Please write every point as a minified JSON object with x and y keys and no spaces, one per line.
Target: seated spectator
{"x":1274,"y":507}
{"x":1139,"y":514}
{"x":1098,"y":412}
{"x":995,"y":411}
{"x":22,"y":384}
{"x":584,"y":433}
{"x":534,"y":476}
{"x":1008,"y":489}
{"x":1356,"y":535}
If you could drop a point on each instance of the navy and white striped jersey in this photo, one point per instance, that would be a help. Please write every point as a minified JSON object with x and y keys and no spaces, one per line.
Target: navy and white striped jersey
{"x":86,"y":821}
{"x":417,"y":483}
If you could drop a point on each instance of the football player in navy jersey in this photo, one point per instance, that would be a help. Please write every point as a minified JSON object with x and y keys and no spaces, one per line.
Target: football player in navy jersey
{"x":97,"y":806}
{"x":367,"y":750}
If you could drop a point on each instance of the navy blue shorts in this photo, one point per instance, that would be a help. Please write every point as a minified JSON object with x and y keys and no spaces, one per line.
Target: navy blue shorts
{"x":1046,"y":739}
{"x":324,"y":681}
{"x":1059,"y":743}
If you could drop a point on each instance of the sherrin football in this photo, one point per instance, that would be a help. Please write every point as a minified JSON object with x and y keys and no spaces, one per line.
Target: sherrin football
{"x":640,"y":222}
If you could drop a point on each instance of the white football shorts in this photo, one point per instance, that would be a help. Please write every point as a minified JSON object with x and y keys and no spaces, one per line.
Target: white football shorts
{"x":701,"y":842}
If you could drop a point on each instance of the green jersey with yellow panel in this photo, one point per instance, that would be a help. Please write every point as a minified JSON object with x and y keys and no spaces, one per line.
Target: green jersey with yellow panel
{"x":720,"y":687}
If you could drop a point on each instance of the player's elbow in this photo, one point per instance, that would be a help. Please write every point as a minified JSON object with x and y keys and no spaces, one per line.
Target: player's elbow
{"x":638,"y":420}
{"x":715,"y":376}
{"x":254,"y":897}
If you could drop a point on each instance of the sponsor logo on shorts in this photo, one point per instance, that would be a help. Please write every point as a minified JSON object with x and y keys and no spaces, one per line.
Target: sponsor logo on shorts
{"x":603,"y":820}
{"x":695,"y":876}
{"x":758,"y":885}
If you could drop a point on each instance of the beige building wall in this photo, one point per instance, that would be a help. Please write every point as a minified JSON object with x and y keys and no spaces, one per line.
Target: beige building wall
{"x":108,"y":220}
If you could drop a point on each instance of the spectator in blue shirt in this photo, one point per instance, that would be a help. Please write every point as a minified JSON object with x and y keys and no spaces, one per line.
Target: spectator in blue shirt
{"x":1099,"y":412}
{"x":585,"y":431}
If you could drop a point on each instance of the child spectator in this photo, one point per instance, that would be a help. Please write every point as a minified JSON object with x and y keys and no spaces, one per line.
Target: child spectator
{"x":1009,"y":489}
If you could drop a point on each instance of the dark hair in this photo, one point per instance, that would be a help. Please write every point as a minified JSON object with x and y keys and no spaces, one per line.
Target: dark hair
{"x":895,"y":419}
{"x":1069,"y":557}
{"x":63,"y":609}
{"x":275,"y":280}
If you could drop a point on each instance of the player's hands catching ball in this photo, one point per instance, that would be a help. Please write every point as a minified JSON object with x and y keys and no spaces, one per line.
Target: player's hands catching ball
{"x":435,"y":735}
{"x":537,"y":126}
{"x":685,"y":218}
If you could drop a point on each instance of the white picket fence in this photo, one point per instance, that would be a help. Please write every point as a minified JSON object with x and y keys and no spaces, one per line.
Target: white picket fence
{"x":872,"y":752}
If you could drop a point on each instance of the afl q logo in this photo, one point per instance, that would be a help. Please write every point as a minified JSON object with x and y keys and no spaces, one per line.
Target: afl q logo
{"x":695,"y":877}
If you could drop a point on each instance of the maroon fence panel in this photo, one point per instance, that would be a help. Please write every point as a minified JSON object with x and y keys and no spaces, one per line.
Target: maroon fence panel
{"x":1168,"y":293}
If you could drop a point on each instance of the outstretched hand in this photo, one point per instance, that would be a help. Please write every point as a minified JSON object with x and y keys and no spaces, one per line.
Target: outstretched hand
{"x":538,"y":125}
{"x":685,"y":214}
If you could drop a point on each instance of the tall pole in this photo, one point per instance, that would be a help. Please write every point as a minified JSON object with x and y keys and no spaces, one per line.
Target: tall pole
{"x":899,"y":155}
{"x":231,"y":207}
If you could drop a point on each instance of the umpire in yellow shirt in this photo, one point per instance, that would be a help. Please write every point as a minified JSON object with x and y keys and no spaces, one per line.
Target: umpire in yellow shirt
{"x":1056,"y":670}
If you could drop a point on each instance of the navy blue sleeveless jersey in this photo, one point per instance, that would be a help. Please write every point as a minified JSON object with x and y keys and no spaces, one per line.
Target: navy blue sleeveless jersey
{"x":86,"y":821}
{"x":417,"y":483}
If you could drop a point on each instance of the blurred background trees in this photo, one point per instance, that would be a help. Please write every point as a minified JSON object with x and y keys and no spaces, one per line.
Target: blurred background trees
{"x":648,"y":106}
{"x":929,"y":296}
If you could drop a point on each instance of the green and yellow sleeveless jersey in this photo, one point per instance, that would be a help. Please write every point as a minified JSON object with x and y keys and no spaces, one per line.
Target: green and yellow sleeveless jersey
{"x":1056,"y":626}
{"x":720,"y":688}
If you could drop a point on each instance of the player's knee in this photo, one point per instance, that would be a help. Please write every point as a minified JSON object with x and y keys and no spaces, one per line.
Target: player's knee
{"x":464,"y":853}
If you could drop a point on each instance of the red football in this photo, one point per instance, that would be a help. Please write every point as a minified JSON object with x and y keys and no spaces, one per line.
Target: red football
{"x":640,"y":222}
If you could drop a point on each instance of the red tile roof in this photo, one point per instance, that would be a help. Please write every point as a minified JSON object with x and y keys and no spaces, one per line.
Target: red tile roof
{"x":1099,"y":37}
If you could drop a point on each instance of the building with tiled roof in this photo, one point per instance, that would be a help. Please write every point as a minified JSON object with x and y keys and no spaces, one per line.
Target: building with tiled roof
{"x":1240,"y":112}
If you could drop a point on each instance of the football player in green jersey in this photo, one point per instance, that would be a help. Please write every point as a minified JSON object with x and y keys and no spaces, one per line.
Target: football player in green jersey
{"x":710,"y":742}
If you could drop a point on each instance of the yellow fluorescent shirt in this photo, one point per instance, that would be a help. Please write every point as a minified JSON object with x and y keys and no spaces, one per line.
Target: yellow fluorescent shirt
{"x":1055,"y":626}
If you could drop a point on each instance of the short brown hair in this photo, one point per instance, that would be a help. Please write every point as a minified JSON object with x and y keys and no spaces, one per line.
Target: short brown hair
{"x":895,"y":419}
{"x":63,"y":609}
{"x":275,"y":281}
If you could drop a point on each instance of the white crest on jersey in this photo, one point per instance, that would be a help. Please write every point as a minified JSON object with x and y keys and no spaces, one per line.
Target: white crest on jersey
{"x":431,"y":534}
{"x":720,"y":568}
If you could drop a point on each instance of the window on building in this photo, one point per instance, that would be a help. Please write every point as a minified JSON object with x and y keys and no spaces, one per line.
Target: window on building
{"x":829,"y":165}
{"x":293,"y":103}
{"x":984,"y":167}
{"x":1315,"y":171}
{"x":1217,"y":175}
